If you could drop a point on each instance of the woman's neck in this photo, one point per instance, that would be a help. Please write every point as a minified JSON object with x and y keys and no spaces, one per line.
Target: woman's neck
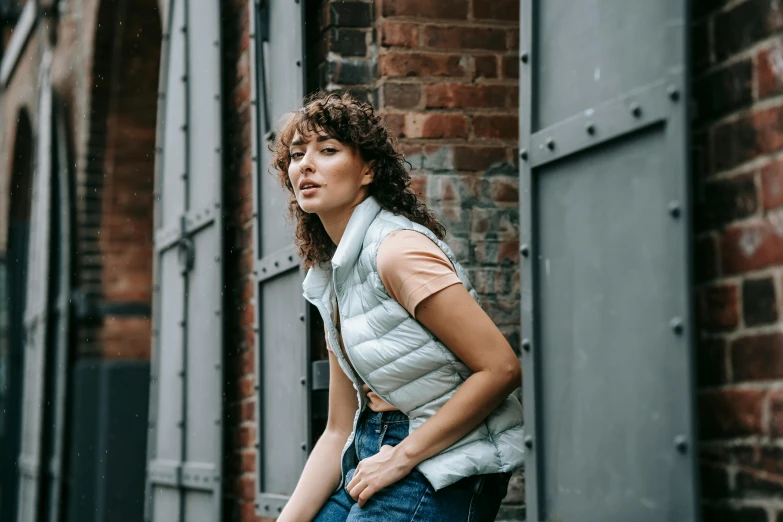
{"x":336,"y":222}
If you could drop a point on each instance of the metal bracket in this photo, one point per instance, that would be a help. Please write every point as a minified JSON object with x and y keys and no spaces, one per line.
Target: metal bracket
{"x":628,"y":113}
{"x":270,"y":504}
{"x":276,"y":263}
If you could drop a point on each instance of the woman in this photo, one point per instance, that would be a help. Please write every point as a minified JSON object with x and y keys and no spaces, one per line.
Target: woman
{"x":422,"y":423}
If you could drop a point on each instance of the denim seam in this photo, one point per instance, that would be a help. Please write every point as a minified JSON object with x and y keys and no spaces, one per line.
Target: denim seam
{"x":421,"y":500}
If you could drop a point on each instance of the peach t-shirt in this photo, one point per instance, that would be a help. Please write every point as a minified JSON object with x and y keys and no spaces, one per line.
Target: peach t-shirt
{"x":412,"y":267}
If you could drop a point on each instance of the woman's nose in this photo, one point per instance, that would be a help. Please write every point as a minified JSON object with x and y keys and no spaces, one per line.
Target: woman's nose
{"x":305,"y":164}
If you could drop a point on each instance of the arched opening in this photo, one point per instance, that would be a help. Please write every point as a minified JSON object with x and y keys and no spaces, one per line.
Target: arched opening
{"x":13,"y":293}
{"x":114,"y":267}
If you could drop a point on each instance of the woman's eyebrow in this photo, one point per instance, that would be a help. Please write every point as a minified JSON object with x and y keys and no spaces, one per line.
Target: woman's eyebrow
{"x":320,"y":138}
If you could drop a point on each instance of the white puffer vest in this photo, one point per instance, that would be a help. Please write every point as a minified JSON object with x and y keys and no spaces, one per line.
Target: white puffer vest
{"x":398,"y":358}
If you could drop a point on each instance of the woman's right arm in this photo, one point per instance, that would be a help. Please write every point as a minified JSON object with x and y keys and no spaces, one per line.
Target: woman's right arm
{"x":321,"y":473}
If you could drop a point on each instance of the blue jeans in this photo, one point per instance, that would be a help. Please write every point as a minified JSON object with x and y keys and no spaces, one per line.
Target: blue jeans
{"x":472,"y":499}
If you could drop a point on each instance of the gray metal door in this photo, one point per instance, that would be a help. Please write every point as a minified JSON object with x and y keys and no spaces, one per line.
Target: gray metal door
{"x":281,"y":341}
{"x":604,"y":224}
{"x":36,"y":316}
{"x":184,"y":469}
{"x":60,"y":289}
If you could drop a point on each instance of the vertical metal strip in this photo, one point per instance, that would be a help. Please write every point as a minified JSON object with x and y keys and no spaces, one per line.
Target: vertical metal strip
{"x":528,"y":255}
{"x":185,"y":271}
{"x":160,"y":135}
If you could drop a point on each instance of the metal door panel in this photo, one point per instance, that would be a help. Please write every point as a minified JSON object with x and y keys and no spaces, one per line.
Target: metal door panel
{"x":203,"y":100}
{"x":171,"y":122}
{"x":184,"y":468}
{"x":606,"y":261}
{"x":285,"y":429}
{"x":592,"y":266}
{"x":36,"y":313}
{"x":282,"y":353}
{"x":169,"y":375}
{"x":602,"y":65}
{"x":204,"y":389}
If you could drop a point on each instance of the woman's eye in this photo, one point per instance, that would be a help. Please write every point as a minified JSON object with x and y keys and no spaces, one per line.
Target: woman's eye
{"x":329,"y":149}
{"x":294,"y":155}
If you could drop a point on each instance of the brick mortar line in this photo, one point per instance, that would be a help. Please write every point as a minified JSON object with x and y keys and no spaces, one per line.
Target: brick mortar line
{"x":757,"y":106}
{"x":760,"y":386}
{"x":774,"y":272}
{"x":748,"y":331}
{"x":461,"y":23}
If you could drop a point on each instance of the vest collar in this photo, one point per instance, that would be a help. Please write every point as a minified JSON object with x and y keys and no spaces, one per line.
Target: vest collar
{"x":347,"y":252}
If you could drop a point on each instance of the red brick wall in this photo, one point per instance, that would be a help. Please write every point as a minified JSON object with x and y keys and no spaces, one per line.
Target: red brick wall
{"x":738,"y":181}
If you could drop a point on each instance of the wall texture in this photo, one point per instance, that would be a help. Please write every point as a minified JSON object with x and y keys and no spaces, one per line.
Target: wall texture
{"x":738,"y":189}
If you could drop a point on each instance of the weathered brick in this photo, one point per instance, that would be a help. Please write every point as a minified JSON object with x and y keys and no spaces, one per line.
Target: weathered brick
{"x":401,"y":95}
{"x":350,"y":72}
{"x":772,"y":185}
{"x":418,"y":125}
{"x":728,"y":200}
{"x":465,"y":95}
{"x":498,"y":127}
{"x":752,"y":246}
{"x":485,"y":66}
{"x":503,"y":10}
{"x":776,"y":419}
{"x":348,"y":42}
{"x":730,"y":413}
{"x":478,"y":158}
{"x":719,"y":308}
{"x":758,"y":302}
{"x":459,"y":37}
{"x":397,"y":34}
{"x":504,"y":190}
{"x":439,"y":9}
{"x":396,"y":64}
{"x":510,"y":67}
{"x":757,"y":357}
{"x":724,"y":90}
{"x":350,"y":14}
{"x":733,"y":143}
{"x":745,"y":24}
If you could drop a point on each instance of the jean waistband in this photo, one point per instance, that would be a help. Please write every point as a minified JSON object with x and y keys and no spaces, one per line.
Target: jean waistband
{"x":383,"y":417}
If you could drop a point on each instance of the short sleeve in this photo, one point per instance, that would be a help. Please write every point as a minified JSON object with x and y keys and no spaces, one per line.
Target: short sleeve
{"x":412,"y":267}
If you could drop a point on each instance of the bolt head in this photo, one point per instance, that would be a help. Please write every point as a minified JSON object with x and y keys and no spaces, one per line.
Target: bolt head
{"x":590,"y":128}
{"x":524,"y":250}
{"x":529,"y":441}
{"x":524,"y":57}
{"x":523,"y":154}
{"x":674,"y":209}
{"x":526,"y":344}
{"x":550,"y":144}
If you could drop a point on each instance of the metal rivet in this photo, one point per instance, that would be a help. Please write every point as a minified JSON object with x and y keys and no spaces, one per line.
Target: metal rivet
{"x":290,"y":258}
{"x":590,"y":128}
{"x":524,"y":250}
{"x":673,"y":92}
{"x":266,"y":508}
{"x":523,"y":57}
{"x":526,"y":344}
{"x":263,"y":269}
{"x":184,"y":29}
{"x":523,"y":154}
{"x":304,"y":447}
{"x":301,"y":317}
{"x":277,"y":264}
{"x":674,"y":209}
{"x":217,"y":258}
{"x":303,"y":381}
{"x":676,"y":324}
{"x":529,"y":441}
{"x":550,"y":144}
{"x":636,"y":110}
{"x":681,"y":443}
{"x":298,"y":63}
{"x":184,"y":77}
{"x":279,"y":509}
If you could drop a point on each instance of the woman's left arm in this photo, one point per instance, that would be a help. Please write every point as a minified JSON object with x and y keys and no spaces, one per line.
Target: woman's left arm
{"x":455,"y":318}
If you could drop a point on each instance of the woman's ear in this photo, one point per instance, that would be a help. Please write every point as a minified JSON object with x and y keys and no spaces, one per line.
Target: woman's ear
{"x":369,"y":173}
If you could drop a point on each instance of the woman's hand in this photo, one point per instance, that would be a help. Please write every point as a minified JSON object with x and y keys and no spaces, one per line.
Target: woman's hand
{"x":375,"y":473}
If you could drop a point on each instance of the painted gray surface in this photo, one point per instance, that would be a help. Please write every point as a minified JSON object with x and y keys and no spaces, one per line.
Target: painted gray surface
{"x":282,"y":353}
{"x":36,"y":318}
{"x":604,"y":226}
{"x":184,"y":469}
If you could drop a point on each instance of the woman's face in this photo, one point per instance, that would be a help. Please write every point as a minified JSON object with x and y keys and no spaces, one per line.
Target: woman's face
{"x":326,"y":175}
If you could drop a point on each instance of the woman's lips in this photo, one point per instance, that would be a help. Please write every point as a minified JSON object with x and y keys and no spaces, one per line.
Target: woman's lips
{"x":308,"y":191}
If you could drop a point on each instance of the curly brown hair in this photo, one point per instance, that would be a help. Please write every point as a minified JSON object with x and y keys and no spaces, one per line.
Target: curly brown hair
{"x":353,"y":123}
